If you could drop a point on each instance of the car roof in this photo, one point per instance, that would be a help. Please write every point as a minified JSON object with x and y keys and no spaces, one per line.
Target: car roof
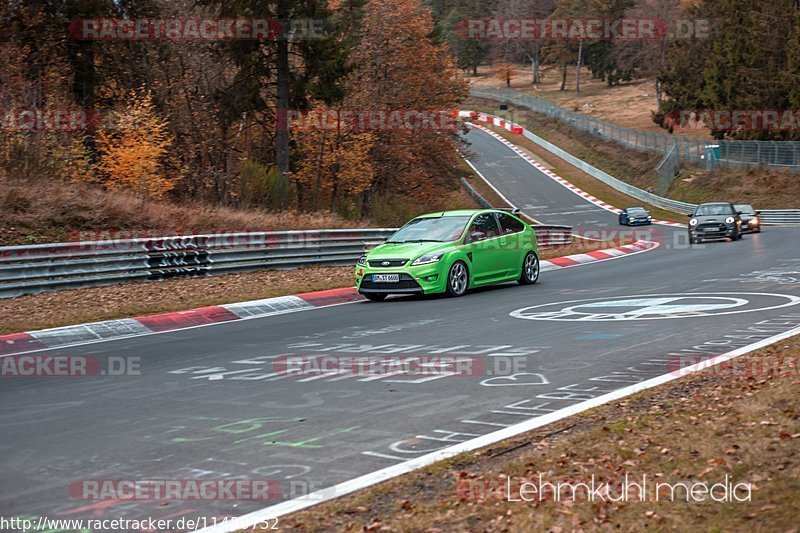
{"x":458,"y":213}
{"x":637,"y":207}
{"x":715,"y":203}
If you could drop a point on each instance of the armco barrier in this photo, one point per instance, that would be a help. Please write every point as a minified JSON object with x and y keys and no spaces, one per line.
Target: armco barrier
{"x":769,"y":216}
{"x":49,"y":267}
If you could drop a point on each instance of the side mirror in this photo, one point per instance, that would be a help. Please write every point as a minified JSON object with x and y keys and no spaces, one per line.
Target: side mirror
{"x":690,"y":215}
{"x":477,"y":236}
{"x":738,"y":213}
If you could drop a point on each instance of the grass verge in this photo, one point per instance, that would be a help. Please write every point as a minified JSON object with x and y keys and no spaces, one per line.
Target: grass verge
{"x":743,"y":424}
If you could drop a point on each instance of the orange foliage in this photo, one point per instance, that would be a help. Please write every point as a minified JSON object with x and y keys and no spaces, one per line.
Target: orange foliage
{"x":505,"y":73}
{"x":399,"y":67}
{"x":334,"y":162}
{"x":133,"y":151}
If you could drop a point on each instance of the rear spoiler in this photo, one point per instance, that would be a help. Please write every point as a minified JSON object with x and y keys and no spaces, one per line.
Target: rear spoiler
{"x":512,"y":210}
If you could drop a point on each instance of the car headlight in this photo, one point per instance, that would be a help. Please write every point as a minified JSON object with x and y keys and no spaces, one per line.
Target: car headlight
{"x":428,"y":259}
{"x":693,"y":222}
{"x":729,"y":220}
{"x":362,"y":261}
{"x":754,"y":221}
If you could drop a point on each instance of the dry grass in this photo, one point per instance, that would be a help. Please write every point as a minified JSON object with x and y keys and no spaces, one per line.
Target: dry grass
{"x":629,"y":104}
{"x":765,"y":189}
{"x":698,"y":429}
{"x":40,"y":211}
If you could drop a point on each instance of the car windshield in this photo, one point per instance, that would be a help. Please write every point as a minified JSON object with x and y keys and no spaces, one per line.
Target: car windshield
{"x":440,"y":229}
{"x":745,"y":208}
{"x":638,"y":211}
{"x":711,"y":210}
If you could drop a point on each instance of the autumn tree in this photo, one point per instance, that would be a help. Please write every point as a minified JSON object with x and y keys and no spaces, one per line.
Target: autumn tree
{"x":336,"y":165}
{"x":133,"y":150}
{"x":397,"y":66}
{"x":504,"y":73}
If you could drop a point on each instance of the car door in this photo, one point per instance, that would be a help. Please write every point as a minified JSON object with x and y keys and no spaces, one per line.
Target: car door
{"x":511,"y":245}
{"x":483,"y":248}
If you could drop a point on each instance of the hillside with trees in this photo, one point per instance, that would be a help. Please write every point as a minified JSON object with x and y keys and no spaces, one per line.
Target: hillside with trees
{"x":198,"y":121}
{"x":205,"y":122}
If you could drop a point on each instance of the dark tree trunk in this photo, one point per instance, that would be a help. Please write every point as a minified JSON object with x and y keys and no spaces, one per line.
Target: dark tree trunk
{"x":282,"y":133}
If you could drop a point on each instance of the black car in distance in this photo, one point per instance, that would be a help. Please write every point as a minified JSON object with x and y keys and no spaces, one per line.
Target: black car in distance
{"x":635,"y":216}
{"x":751,"y":223}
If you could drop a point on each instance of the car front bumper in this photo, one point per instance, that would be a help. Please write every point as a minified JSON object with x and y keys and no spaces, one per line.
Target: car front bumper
{"x":423,"y":279}
{"x":721,"y":232}
{"x":749,"y":227}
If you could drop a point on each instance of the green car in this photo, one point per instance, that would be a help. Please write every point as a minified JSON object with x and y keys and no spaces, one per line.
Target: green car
{"x":450,"y":252}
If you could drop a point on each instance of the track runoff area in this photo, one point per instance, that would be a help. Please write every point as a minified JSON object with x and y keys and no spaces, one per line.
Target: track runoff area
{"x":205,"y":425}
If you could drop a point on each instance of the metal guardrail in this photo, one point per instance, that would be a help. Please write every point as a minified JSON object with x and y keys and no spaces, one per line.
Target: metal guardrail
{"x":725,"y":153}
{"x":769,"y":216}
{"x":47,"y":267}
{"x":50,"y":267}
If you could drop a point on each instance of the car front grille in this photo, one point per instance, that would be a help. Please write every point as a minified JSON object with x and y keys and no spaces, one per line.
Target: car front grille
{"x":711,"y":229}
{"x":387,"y":263}
{"x":715,"y":227}
{"x":406,"y":282}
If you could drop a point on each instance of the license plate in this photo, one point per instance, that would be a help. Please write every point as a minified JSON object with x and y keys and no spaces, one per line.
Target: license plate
{"x":709,"y":229}
{"x":386,"y":278}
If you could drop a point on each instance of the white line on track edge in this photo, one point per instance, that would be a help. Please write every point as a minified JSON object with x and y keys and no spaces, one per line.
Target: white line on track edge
{"x":137,"y":335}
{"x":393,"y":471}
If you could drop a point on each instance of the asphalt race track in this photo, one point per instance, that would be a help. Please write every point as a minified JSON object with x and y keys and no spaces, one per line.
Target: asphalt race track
{"x":208,"y":403}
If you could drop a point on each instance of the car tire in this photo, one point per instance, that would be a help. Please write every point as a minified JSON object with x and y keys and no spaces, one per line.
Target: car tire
{"x":376,"y":296}
{"x":457,"y":279}
{"x":530,"y":269}
{"x":692,"y":240}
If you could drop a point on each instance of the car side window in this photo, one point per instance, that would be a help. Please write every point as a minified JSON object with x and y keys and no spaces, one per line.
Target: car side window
{"x":509,"y":224}
{"x":484,"y":224}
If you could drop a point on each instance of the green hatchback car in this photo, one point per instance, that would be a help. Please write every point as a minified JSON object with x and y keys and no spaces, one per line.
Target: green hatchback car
{"x":449,"y":252}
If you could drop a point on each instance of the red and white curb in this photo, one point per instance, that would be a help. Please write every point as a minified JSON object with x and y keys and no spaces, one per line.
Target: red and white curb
{"x":517,"y":129}
{"x":598,"y":255}
{"x":63,"y":337}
